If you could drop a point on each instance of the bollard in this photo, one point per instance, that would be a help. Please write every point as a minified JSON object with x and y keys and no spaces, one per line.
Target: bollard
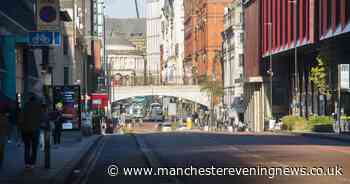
{"x":47,"y":149}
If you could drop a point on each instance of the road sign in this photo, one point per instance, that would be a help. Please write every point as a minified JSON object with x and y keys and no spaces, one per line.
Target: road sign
{"x":45,"y":38}
{"x":345,"y":76}
{"x":48,"y":15}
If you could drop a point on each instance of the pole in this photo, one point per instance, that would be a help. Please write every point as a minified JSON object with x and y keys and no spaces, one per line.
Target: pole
{"x":296,"y":58}
{"x":271,"y":69}
{"x":339,"y":99}
{"x":47,"y":158}
{"x":104,"y":50}
{"x":47,"y":149}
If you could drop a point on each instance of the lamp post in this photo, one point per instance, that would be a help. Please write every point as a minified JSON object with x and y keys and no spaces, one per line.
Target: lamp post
{"x":270,"y":71}
{"x":296,"y":77}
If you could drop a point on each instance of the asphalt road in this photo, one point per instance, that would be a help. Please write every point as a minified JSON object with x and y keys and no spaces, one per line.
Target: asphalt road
{"x":204,"y":150}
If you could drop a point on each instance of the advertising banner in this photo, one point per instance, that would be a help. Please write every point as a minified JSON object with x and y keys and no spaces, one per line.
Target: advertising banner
{"x":68,"y":97}
{"x":99,"y":101}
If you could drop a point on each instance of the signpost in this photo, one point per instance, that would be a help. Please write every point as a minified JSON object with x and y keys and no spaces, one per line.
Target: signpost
{"x":48,"y":25}
{"x":48,"y":15}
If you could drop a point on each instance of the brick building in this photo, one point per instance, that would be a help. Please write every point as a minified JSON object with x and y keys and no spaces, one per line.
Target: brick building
{"x":204,"y":22}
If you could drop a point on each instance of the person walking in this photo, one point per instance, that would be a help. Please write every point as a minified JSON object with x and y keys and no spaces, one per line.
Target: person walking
{"x":44,"y":126}
{"x":30,"y":126}
{"x":3,"y":135}
{"x":58,"y":122}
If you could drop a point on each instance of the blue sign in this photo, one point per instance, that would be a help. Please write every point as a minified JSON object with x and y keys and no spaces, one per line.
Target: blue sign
{"x":57,"y":38}
{"x":45,"y":38}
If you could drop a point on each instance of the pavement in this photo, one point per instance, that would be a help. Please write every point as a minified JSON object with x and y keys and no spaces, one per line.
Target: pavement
{"x":334,"y":136}
{"x":344,"y":137}
{"x":63,"y":160}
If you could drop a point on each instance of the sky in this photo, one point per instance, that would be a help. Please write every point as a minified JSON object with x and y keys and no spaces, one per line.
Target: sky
{"x":124,"y":8}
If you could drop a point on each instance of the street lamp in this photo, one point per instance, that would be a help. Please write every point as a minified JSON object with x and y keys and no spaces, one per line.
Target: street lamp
{"x":270,"y":71}
{"x":295,"y":3}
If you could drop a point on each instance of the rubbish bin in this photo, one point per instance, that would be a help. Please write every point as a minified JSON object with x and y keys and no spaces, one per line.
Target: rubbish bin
{"x":189,"y":123}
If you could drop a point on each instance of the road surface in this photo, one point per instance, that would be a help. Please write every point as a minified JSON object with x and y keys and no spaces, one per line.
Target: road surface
{"x":206,"y":150}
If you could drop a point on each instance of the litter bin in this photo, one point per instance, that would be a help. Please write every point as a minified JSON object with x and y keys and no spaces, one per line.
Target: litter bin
{"x":189,"y":123}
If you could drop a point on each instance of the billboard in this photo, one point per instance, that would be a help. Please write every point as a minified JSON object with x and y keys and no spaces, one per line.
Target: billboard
{"x":68,"y":97}
{"x":99,"y":101}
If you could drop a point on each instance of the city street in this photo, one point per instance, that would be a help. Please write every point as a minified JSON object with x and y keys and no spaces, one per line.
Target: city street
{"x":219,"y":150}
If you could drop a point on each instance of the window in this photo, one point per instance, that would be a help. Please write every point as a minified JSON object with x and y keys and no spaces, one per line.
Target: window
{"x":296,"y":4}
{"x":66,"y":76}
{"x":337,"y":13}
{"x":306,"y":18}
{"x":347,"y":10}
{"x":292,"y":22}
{"x":241,"y":60}
{"x":65,"y":45}
{"x":241,"y":16}
{"x":329,"y":13}
{"x":242,"y":37}
{"x":281,"y":21}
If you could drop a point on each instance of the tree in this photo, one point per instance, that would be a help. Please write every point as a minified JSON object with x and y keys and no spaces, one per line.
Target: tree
{"x":319,"y":75}
{"x":214,"y":89}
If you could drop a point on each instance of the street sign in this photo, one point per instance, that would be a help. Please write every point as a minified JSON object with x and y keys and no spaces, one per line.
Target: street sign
{"x":345,"y":76}
{"x":48,"y":15}
{"x":45,"y":38}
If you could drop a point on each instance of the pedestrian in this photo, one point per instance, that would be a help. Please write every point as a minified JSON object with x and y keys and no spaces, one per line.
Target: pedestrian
{"x":30,"y":121}
{"x":4,"y":124}
{"x":195,"y":119}
{"x":232,"y":119}
{"x":13,"y":129}
{"x":58,"y":122}
{"x":44,"y":126}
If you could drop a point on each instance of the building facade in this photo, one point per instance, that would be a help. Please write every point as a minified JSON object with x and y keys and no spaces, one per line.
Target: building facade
{"x":71,"y":57}
{"x":289,"y":37}
{"x":255,"y":84}
{"x":232,"y":55}
{"x":204,"y":22}
{"x":125,"y":51}
{"x":19,"y":64}
{"x":153,"y":16}
{"x":172,"y":42}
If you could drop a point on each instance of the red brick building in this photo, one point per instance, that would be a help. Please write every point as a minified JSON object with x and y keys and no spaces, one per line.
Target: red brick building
{"x":204,"y":22}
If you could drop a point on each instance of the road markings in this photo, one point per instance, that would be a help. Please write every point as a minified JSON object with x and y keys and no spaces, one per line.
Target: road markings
{"x":151,"y":157}
{"x":97,"y":153}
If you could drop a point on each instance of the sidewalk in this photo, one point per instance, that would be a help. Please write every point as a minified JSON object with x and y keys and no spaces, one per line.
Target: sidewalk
{"x":333,"y":136}
{"x":63,"y":160}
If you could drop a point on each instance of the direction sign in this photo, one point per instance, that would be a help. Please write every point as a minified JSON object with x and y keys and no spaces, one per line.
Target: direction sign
{"x":45,"y":38}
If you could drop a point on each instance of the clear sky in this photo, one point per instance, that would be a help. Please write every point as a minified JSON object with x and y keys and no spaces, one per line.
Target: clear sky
{"x":124,"y":8}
